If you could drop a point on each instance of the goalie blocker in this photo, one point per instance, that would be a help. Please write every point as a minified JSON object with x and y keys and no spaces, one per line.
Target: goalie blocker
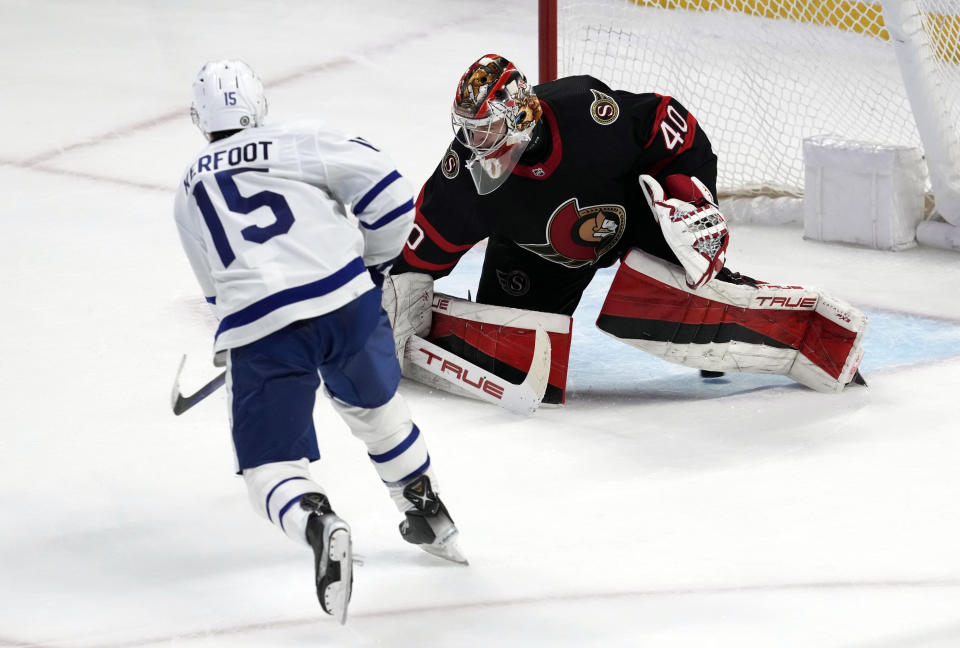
{"x":734,"y":324}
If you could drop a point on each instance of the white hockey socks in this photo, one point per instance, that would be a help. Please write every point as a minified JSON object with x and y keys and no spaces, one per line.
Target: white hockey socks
{"x":395,"y":446}
{"x":275,"y":490}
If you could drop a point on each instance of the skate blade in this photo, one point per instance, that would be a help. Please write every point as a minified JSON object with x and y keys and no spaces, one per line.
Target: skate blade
{"x":336,"y":596}
{"x":448,"y":549}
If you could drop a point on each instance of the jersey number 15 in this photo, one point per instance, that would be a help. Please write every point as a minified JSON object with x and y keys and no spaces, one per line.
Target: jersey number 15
{"x":239,"y":204}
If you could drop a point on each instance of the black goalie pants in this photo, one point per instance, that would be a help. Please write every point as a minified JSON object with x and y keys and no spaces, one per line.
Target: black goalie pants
{"x":517,"y":278}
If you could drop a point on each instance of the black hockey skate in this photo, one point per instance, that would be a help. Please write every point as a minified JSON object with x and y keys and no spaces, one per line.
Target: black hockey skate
{"x":429,"y":525}
{"x":333,"y":555}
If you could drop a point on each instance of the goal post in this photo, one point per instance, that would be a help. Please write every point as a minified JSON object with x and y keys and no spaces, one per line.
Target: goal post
{"x":927,"y":46}
{"x":763,"y":75}
{"x":547,"y":47}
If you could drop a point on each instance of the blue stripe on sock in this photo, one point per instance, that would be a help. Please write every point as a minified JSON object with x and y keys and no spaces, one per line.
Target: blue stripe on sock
{"x":399,"y":448}
{"x":390,"y":216}
{"x":419,"y":471}
{"x":286,"y":508}
{"x":272,"y":490}
{"x":373,"y":193}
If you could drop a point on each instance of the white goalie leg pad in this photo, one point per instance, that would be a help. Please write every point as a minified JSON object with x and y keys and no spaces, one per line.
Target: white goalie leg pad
{"x":406,"y":299}
{"x":275,"y":490}
{"x":394,"y":443}
{"x":722,"y":326}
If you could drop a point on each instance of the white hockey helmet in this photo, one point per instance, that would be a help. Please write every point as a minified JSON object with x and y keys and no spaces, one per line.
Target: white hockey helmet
{"x":227,"y":95}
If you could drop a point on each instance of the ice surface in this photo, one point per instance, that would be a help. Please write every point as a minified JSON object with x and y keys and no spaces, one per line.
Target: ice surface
{"x":653,"y":509}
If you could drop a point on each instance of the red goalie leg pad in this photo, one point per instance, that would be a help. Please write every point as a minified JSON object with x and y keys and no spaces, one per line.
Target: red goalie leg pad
{"x":650,"y":303}
{"x":501,"y":340}
{"x":639,"y":307}
{"x":828,"y":344}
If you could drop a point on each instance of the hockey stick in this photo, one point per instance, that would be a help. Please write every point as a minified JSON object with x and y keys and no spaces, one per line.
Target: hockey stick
{"x":181,"y":403}
{"x":439,"y":368}
{"x":430,"y":364}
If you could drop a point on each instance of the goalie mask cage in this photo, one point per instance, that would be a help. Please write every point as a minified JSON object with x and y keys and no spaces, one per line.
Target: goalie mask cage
{"x":762,"y":75}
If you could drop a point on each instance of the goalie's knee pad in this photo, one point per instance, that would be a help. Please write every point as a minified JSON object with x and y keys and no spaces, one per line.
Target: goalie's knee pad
{"x":734,"y":325}
{"x":394,"y":444}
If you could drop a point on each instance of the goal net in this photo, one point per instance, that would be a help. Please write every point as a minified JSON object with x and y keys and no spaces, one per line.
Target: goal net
{"x":762,"y":75}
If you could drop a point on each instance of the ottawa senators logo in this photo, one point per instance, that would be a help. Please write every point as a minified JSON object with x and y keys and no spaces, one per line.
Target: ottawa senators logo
{"x":578,"y":237}
{"x":450,"y":165}
{"x":604,"y":109}
{"x":515,"y":282}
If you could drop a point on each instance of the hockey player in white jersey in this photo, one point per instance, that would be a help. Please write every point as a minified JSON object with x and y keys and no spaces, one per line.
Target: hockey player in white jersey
{"x":288,"y":229}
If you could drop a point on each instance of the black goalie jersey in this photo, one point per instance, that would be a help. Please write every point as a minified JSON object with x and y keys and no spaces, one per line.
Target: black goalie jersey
{"x":572,"y":205}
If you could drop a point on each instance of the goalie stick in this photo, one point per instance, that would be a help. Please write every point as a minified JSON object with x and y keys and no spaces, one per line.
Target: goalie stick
{"x":181,"y":403}
{"x":430,"y":364}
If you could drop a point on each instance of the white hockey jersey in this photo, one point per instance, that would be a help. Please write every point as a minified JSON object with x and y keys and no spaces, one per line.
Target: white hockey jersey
{"x":280,"y":222}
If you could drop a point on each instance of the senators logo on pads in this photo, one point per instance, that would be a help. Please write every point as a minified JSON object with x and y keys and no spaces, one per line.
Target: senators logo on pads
{"x":579,"y":236}
{"x":604,"y":109}
{"x":450,"y":165}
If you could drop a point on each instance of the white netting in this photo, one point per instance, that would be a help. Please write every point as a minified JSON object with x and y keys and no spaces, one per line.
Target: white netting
{"x":941,"y":22}
{"x":760,"y":75}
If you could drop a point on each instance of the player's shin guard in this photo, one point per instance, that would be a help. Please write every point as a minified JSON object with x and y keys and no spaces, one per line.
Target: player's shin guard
{"x":733,"y":324}
{"x":276,"y":488}
{"x":394,"y":444}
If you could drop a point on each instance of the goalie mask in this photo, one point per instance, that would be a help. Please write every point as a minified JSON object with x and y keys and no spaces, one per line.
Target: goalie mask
{"x":227,"y":95}
{"x":494,"y":114}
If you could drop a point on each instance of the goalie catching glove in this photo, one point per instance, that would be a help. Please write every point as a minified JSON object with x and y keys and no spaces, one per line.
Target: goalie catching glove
{"x":691,"y":223}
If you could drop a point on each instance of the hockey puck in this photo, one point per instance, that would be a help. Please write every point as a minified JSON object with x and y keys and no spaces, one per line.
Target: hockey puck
{"x":710,"y":374}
